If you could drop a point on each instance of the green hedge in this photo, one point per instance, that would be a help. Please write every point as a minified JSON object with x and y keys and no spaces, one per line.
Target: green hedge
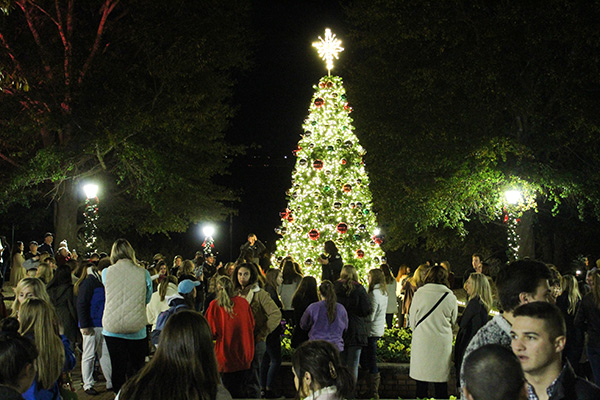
{"x":393,"y":347}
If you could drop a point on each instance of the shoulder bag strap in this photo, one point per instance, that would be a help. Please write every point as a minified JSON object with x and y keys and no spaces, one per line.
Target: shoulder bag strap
{"x":432,"y":309}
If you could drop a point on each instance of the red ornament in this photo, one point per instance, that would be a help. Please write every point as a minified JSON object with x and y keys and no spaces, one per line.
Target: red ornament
{"x":344,"y":162}
{"x":347,"y":188}
{"x":329,"y":84}
{"x":290,"y":218}
{"x":313,"y":234}
{"x":342,"y":227}
{"x":319,"y":102}
{"x":318,"y":165}
{"x":378,"y":240}
{"x":505,"y":218}
{"x":360,"y":253}
{"x":322,"y":85}
{"x":284,"y":214}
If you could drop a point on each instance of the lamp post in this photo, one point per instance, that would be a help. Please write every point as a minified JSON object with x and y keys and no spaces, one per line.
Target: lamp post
{"x":208,"y":231}
{"x":90,"y":215}
{"x":512,"y":218}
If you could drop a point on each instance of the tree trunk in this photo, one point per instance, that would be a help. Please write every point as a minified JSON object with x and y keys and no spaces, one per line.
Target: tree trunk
{"x":65,"y":215}
{"x":526,"y":236}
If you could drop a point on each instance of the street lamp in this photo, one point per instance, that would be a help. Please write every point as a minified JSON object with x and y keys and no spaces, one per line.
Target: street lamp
{"x":511,"y":218}
{"x":513,"y":197}
{"x":90,"y":215}
{"x":208,"y":231}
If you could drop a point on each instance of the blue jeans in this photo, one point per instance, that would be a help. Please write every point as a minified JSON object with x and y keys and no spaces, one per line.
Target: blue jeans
{"x":254,"y":379}
{"x":593,"y":354}
{"x":370,"y":355}
{"x":351,"y":356}
{"x":271,"y":360}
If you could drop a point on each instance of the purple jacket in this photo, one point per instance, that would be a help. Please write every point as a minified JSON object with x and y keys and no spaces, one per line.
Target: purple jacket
{"x":317,"y":324}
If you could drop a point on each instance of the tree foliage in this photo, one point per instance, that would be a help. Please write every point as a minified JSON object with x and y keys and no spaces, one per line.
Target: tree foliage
{"x":457,"y":102}
{"x":135,"y":95}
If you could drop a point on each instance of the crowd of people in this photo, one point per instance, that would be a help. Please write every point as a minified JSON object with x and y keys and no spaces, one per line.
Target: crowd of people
{"x":215,"y":330}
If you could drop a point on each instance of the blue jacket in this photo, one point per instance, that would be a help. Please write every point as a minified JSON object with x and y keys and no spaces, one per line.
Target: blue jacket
{"x":35,"y":392}
{"x":90,"y":302}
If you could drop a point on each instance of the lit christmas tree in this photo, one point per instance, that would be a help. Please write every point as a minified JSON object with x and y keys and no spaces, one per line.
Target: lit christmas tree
{"x":330,"y":197}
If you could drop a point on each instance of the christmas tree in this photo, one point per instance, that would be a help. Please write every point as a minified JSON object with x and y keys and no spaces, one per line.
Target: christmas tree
{"x":330,"y":197}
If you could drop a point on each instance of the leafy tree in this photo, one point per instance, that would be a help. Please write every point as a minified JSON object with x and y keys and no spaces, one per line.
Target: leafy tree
{"x":458,"y":102}
{"x":134,"y":95}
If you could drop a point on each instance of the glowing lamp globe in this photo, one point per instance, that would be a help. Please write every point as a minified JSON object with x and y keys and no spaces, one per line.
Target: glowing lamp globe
{"x":513,"y":196}
{"x":208,"y":230}
{"x":90,"y":190}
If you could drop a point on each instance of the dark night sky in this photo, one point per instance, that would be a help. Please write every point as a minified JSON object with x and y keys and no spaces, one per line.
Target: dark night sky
{"x":273,"y":99}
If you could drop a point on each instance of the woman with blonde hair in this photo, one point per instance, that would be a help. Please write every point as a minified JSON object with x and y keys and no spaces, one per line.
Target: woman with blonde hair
{"x":379,"y":300}
{"x":128,"y":288}
{"x":28,"y":288}
{"x":232,"y":323}
{"x":44,"y":272}
{"x":353,"y":296}
{"x":568,"y":303}
{"x":480,"y":302}
{"x":40,"y":324}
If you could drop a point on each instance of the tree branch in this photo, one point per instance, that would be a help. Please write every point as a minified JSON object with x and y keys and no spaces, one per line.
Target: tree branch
{"x":106,"y":8}
{"x":9,"y":160}
{"x":35,"y":34}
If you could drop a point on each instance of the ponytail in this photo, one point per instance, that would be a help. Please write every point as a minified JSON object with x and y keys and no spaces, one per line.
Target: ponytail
{"x":225,"y":293}
{"x":322,"y":360}
{"x":327,"y":291}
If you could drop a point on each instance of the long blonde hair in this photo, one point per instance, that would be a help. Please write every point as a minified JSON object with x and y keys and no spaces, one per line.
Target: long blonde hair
{"x":570,"y":286}
{"x":418,"y":278}
{"x":38,"y":318}
{"x":225,"y":292}
{"x":121,"y":249}
{"x":482,"y":289}
{"x":350,"y":276}
{"x":39,"y":291}
{"x":377,"y":278}
{"x":44,"y":272}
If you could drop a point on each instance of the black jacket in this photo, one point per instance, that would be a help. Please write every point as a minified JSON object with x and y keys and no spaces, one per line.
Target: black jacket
{"x":572,"y":387}
{"x":332,"y":270}
{"x":358,"y":307}
{"x":588,"y":319}
{"x":473,"y":318}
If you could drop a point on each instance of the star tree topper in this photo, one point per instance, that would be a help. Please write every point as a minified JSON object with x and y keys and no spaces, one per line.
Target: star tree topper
{"x":329,"y":49}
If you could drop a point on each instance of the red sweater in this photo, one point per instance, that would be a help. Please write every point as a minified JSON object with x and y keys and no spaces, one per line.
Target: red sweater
{"x":234,"y":336}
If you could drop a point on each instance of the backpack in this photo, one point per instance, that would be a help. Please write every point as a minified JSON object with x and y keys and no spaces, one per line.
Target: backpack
{"x":162,"y":319}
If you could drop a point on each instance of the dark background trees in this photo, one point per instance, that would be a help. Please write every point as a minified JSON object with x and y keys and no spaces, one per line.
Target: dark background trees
{"x":457,"y":102}
{"x":134,"y":95}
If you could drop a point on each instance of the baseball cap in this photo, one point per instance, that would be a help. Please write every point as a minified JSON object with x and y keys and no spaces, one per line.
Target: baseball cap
{"x":187,"y":285}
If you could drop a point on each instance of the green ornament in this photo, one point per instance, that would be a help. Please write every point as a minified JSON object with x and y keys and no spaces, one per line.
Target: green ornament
{"x":326,"y":188}
{"x":356,"y":237}
{"x":314,"y":123}
{"x":366,"y":211}
{"x":329,"y":148}
{"x":343,"y":97}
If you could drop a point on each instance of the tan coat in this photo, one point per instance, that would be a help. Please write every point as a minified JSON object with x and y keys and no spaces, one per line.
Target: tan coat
{"x":266,"y":313}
